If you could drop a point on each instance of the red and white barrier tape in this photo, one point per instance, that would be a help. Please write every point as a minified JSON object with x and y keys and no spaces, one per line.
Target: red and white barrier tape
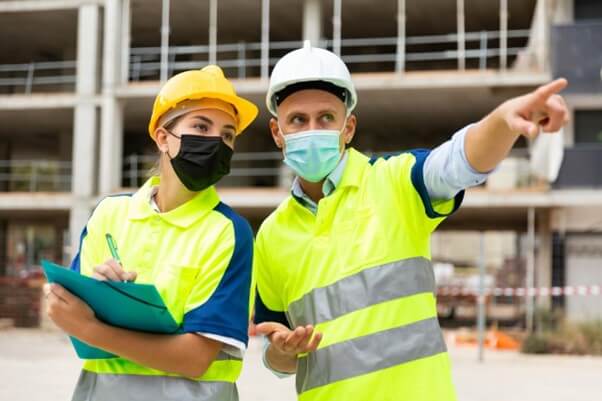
{"x":581,"y":290}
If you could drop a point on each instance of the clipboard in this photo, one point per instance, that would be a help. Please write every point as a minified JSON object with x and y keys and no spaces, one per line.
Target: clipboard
{"x":127,"y":305}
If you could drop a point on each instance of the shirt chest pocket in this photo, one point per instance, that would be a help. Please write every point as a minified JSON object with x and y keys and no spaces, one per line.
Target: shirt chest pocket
{"x":355,"y":225}
{"x":361,"y":237}
{"x":174,"y":283}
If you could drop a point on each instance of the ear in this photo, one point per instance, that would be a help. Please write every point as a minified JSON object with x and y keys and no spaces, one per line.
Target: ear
{"x":161,"y":139}
{"x":275,"y":131}
{"x":350,"y":125}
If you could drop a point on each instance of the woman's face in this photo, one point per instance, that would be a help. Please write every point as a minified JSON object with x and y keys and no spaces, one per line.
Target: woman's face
{"x":209,"y":122}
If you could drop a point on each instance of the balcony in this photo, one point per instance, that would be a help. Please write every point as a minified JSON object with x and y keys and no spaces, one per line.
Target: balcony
{"x":265,"y":170}
{"x":482,"y":51}
{"x":35,"y":176}
{"x":48,"y":76}
{"x":249,"y":169}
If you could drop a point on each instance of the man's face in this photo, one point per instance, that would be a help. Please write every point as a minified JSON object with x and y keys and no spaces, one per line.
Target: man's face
{"x":312,"y":109}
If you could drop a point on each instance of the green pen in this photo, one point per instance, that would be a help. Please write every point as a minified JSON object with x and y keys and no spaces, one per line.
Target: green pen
{"x":113,"y":249}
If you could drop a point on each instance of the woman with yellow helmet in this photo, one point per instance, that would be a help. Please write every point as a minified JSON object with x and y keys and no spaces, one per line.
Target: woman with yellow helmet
{"x":173,"y":233}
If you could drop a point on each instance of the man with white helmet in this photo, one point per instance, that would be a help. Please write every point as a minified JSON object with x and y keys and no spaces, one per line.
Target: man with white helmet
{"x":345,"y":287}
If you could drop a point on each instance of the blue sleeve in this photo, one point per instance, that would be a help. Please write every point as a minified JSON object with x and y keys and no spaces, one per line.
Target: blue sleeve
{"x":226,"y":312}
{"x":264,"y":314}
{"x":75,"y":263}
{"x":447,"y":170}
{"x":417,"y":176}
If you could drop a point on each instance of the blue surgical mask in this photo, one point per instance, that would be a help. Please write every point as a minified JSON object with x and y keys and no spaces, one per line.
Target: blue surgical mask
{"x":312,"y":154}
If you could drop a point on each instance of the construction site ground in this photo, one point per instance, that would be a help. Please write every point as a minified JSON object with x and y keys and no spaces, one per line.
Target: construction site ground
{"x":39,"y":364}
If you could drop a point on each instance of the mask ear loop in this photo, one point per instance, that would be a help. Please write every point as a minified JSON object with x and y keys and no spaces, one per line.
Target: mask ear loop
{"x":347,"y":114}
{"x":281,"y":134}
{"x":172,"y":134}
{"x":175,"y":136}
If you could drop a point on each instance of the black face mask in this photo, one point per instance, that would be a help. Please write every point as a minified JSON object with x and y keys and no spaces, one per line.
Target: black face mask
{"x":202,"y":161}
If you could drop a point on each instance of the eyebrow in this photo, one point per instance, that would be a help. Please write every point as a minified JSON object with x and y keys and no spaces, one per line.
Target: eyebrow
{"x":298,"y":112}
{"x":203,"y":118}
{"x":208,"y":121}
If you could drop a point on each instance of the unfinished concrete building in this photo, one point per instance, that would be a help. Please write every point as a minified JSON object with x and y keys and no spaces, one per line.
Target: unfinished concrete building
{"x":78,"y":78}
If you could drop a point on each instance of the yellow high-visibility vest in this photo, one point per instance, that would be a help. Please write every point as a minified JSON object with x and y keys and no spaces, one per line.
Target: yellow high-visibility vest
{"x":359,"y":270}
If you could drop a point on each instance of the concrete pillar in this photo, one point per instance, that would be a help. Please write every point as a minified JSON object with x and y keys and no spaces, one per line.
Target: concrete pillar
{"x":126,"y":38}
{"x":165,"y":7}
{"x":265,"y":39}
{"x":461,"y":28}
{"x":111,"y":122}
{"x":312,"y":21}
{"x":336,"y":27}
{"x":400,"y":59}
{"x":212,"y":31}
{"x":503,"y":34}
{"x":84,"y":124}
{"x":111,"y":145}
{"x":543,"y":257}
{"x":542,"y":41}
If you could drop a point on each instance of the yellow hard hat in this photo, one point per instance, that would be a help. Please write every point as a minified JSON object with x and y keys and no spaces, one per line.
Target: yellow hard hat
{"x":208,"y":82}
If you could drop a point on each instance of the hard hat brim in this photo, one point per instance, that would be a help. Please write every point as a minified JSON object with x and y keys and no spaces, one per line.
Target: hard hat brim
{"x":270,"y":100}
{"x":246,"y":110}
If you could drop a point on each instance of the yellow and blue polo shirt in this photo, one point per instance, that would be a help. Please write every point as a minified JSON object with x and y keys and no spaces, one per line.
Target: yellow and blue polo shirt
{"x":199,"y":257}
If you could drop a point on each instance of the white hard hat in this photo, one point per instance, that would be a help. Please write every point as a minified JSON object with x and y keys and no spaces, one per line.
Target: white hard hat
{"x":310,"y":64}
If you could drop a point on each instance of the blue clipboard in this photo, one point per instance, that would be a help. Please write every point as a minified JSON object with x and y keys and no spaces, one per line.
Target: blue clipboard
{"x":128,"y":305}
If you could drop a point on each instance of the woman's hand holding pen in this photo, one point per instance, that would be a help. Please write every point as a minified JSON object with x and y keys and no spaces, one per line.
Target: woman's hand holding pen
{"x":111,"y":270}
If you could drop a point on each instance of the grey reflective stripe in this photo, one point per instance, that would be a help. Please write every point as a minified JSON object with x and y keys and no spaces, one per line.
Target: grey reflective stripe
{"x":109,"y":387}
{"x":368,"y":287}
{"x":370,"y":353}
{"x":224,"y":356}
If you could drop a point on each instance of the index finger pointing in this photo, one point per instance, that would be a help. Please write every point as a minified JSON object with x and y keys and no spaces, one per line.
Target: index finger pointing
{"x":545,"y":91}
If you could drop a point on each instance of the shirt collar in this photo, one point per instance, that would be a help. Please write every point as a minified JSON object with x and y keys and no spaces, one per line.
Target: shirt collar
{"x":331,"y":182}
{"x":183,"y":216}
{"x":354,"y":170}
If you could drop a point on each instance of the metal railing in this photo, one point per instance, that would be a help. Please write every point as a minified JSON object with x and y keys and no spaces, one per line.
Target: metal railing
{"x":26,"y":76}
{"x":248,"y":169}
{"x":244,"y":59}
{"x":35,"y":176}
{"x":369,"y":53}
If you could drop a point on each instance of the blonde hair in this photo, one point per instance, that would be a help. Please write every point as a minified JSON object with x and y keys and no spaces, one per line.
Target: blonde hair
{"x":156,"y":168}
